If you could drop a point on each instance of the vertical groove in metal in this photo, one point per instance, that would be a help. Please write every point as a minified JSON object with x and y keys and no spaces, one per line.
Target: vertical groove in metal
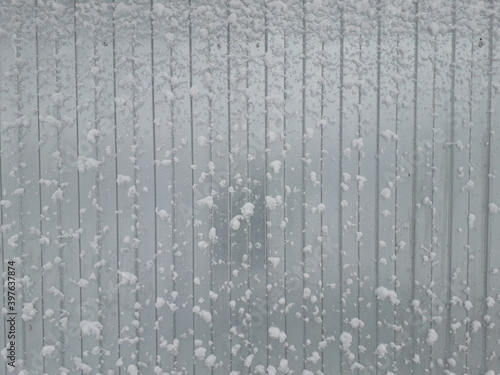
{"x":212,"y":210}
{"x":155,"y":169}
{"x":303,"y":187}
{"x":59,"y":174}
{"x":341,"y":123}
{"x":471,"y":82}
{"x":97,"y":180}
{"x":135,"y":153}
{"x":451,"y":163}
{"x":358,"y":195}
{"x":396,"y":168}
{"x":174,"y":191}
{"x":115,"y":125}
{"x":249,"y":224}
{"x":37,"y":78}
{"x":322,"y":155}
{"x":78,"y":155}
{"x":266,"y":210}
{"x":489,"y":175}
{"x":432,"y":179}
{"x":377,"y":172}
{"x":285,"y":270}
{"x":191,"y":120}
{"x":229,"y":169}
{"x":412,"y":161}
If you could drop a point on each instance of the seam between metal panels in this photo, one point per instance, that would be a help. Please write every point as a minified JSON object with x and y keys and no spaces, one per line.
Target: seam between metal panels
{"x":431,"y":247}
{"x":412,"y":160}
{"x":451,"y":185}
{"x":358,"y":209}
{"x":266,"y":185}
{"x":321,"y":196}
{"x":229,"y":169}
{"x":98,"y":191}
{"x":191,"y":121}
{"x":302,"y":192}
{"x":377,"y":174}
{"x":59,"y":218}
{"x":396,"y":166}
{"x":78,"y":173}
{"x":155,"y":166}
{"x":135,"y":199}
{"x":211,"y":210}
{"x":341,"y":123}
{"x":174,"y":198}
{"x":469,"y":174}
{"x":115,"y":124}
{"x":488,"y":179}
{"x":285,"y":216}
{"x":39,"y":177}
{"x":249,"y":224}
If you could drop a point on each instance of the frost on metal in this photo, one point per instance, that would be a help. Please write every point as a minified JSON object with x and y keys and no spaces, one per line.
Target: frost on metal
{"x":251,"y":187}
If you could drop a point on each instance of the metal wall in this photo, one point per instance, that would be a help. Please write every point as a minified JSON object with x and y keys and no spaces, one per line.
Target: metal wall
{"x":252,"y":187}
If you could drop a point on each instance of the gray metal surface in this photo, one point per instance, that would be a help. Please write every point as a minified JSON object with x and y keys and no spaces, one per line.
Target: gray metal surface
{"x":251,"y":187}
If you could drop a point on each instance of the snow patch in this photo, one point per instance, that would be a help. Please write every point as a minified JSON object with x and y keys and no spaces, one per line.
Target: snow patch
{"x":384,"y":293}
{"x":346,"y":340}
{"x":276,"y":166}
{"x":91,"y":328}
{"x":432,"y":337}
{"x":277,"y":334}
{"x":385,"y":193}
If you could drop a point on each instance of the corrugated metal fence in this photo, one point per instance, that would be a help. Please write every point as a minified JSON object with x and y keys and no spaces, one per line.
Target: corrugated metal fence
{"x":251,"y":187}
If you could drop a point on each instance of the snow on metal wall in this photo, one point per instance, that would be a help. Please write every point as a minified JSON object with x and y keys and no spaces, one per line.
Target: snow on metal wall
{"x":251,"y":187}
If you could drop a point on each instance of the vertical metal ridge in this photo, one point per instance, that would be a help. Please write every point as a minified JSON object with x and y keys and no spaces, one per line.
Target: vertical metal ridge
{"x":431,"y":244}
{"x":358,"y":198}
{"x":450,"y":184}
{"x":249,"y":225}
{"x":191,"y":120}
{"x":97,"y":180}
{"x":285,"y":270}
{"x":266,"y":187}
{"x":59,"y":219}
{"x":341,"y":123}
{"x":303,"y":189}
{"x":155,"y":168}
{"x":212,"y":210}
{"x":322,"y":112}
{"x":414,"y":169}
{"x":78,"y":173}
{"x":488,"y":179}
{"x":135,"y":199}
{"x":229,"y":170}
{"x":115,"y":124}
{"x":174,"y":197}
{"x":471,"y":89}
{"x":396,"y":164}
{"x":37,"y":78}
{"x":377,"y":172}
